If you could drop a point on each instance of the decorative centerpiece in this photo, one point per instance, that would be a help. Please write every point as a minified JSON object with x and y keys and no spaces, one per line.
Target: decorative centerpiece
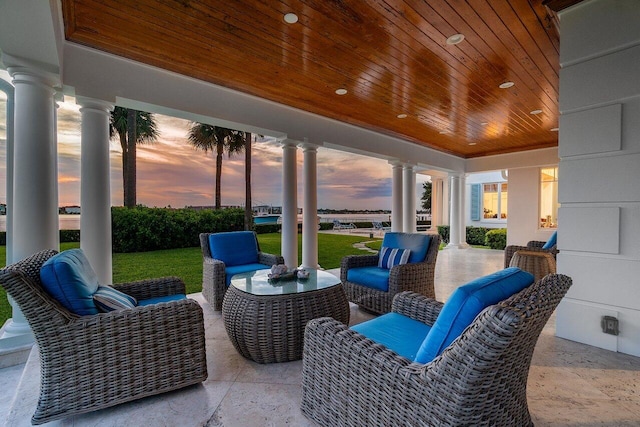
{"x":303,"y":274}
{"x":281,"y":272}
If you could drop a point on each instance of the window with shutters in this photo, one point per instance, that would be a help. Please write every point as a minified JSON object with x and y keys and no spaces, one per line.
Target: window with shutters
{"x":494,"y":200}
{"x":549,"y":198}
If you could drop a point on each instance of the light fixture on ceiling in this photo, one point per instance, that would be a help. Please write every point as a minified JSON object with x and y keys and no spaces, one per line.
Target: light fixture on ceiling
{"x":444,"y":132}
{"x":535,"y":112}
{"x":472,"y":143}
{"x":341,"y":91}
{"x":455,"y":39}
{"x":484,"y":123}
{"x":290,"y":18}
{"x":554,"y":129}
{"x":506,"y":85}
{"x":401,"y":116}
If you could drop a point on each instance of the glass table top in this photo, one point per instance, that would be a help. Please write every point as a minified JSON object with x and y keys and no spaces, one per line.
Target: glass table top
{"x":258,"y":283}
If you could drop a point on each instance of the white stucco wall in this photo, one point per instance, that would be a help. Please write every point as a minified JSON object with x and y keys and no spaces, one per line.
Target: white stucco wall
{"x":599,"y":185}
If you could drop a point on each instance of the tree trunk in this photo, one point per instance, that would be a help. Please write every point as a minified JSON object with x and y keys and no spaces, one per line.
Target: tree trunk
{"x":130,"y":174}
{"x":123,"y":144}
{"x":248,"y":211}
{"x":219,"y":152}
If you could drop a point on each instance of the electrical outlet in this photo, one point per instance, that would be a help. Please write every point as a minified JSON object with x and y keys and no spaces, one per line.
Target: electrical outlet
{"x":610,"y":325}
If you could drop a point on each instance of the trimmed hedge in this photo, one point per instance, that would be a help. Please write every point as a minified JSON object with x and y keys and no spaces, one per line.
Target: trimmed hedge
{"x":142,"y":229}
{"x":65,"y":236}
{"x":496,"y":238}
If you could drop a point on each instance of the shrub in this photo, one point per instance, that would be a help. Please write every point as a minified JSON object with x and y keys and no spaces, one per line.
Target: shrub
{"x":476,"y":235}
{"x":443,"y":231}
{"x":144,"y":229}
{"x":496,"y":238}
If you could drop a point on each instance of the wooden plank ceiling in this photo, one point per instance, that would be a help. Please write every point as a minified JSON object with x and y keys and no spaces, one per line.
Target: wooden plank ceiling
{"x":391,"y":56}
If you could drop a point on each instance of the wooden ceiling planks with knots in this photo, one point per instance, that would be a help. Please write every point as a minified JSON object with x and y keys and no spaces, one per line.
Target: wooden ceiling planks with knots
{"x":390,"y":55}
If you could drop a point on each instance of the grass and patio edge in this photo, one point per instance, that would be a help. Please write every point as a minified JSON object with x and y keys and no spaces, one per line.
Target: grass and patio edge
{"x":186,"y":263}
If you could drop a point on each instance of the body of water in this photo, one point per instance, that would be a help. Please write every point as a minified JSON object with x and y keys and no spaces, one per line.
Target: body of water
{"x":67,"y":222}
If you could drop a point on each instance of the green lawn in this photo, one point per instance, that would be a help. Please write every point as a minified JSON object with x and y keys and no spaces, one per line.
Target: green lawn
{"x":187,"y":263}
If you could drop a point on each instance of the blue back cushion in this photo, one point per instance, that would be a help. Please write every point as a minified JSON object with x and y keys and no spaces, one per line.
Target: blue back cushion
{"x":553,"y":240}
{"x":466,"y":303}
{"x":399,"y":333}
{"x":418,"y":244}
{"x":234,"y":247}
{"x":69,"y":278}
{"x":372,"y":277}
{"x":390,"y":257}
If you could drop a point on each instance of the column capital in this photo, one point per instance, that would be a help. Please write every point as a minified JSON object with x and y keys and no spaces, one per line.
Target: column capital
{"x":307,"y":146}
{"x":287,"y":142}
{"x":395,"y":163}
{"x":94,"y":104}
{"x":25,"y":71}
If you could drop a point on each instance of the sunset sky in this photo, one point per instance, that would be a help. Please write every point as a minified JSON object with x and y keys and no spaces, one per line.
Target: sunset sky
{"x":172,"y":173}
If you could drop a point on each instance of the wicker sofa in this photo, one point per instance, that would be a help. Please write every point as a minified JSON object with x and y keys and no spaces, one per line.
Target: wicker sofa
{"x":413,"y":276}
{"x":245,"y":255}
{"x":96,"y":361}
{"x":532,"y":246}
{"x":479,"y":379}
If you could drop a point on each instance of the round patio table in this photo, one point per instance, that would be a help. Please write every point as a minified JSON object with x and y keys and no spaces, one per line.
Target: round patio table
{"x":265,"y":319}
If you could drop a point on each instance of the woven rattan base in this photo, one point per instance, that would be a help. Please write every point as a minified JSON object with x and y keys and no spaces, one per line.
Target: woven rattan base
{"x":270,"y":328}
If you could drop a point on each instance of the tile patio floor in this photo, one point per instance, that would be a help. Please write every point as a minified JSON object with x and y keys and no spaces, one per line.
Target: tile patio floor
{"x":570,"y":384}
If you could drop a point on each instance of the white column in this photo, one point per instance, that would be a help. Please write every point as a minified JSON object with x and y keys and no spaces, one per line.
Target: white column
{"x":446,"y":201}
{"x":95,"y":189}
{"x":8,"y":89}
{"x":35,"y":182}
{"x":462,"y":212}
{"x":396,"y":197}
{"x":310,"y":208}
{"x":409,"y":199}
{"x":457,"y":238}
{"x":436,"y":202}
{"x":289,"y":242}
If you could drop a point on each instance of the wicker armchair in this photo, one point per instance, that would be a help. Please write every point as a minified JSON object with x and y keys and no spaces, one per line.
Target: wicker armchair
{"x":480,"y":379}
{"x":214,"y":275}
{"x":93,"y":362}
{"x":417,"y":277}
{"x":532,"y":246}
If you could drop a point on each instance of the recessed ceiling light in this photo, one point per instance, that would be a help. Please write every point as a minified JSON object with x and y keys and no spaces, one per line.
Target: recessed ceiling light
{"x":402,"y":116}
{"x":554,"y":129}
{"x":341,"y":91}
{"x":290,"y":18}
{"x":442,"y":132}
{"x":535,"y":112}
{"x":455,"y":39}
{"x":506,"y":85}
{"x":472,"y":143}
{"x":484,"y":123}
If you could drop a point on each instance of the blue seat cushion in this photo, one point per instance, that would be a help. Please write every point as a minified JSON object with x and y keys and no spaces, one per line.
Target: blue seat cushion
{"x":237,"y":269}
{"x":165,"y":298}
{"x":418,"y":244}
{"x":399,"y":333}
{"x":69,"y":278}
{"x":466,"y":303}
{"x":372,"y":277}
{"x":234,"y":247}
{"x":553,"y":240}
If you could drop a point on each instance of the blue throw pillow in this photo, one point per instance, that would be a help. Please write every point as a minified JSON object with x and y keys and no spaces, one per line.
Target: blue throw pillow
{"x":418,"y":244}
{"x":109,"y":299}
{"x":466,"y":303}
{"x":390,"y":257}
{"x":69,"y":278}
{"x":234,"y":247}
{"x":553,"y":240}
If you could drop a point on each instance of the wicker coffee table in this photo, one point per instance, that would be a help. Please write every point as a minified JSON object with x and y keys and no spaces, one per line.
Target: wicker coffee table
{"x":265,"y":320}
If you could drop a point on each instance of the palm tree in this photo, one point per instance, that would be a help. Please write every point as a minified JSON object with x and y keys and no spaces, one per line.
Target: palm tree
{"x":208,"y":137}
{"x":132,"y":127}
